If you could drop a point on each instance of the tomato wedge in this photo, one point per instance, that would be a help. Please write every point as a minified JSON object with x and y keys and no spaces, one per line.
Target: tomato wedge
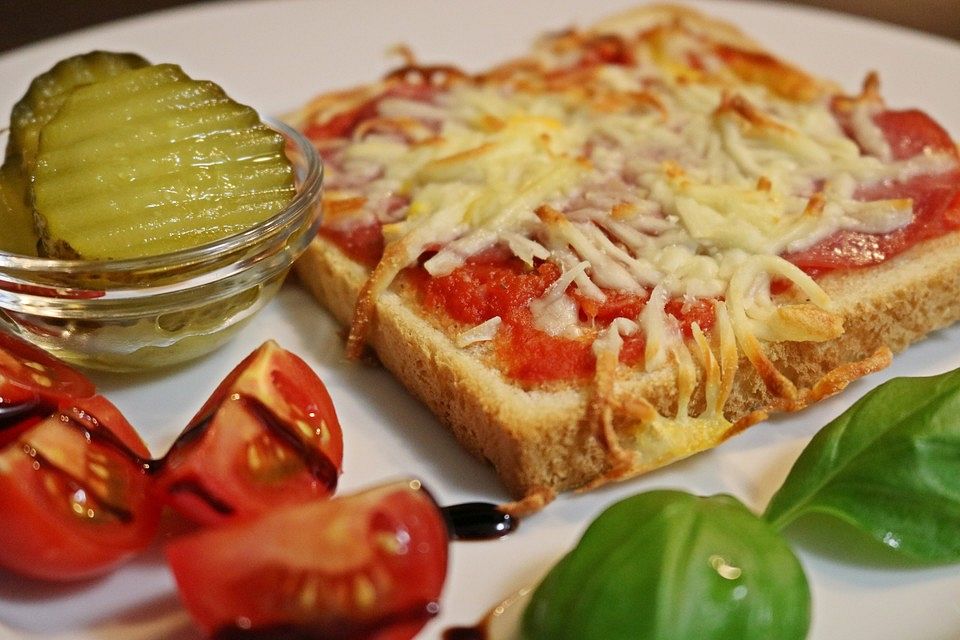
{"x":370,"y":566}
{"x":267,"y":436}
{"x":75,"y":495}
{"x":28,"y":373}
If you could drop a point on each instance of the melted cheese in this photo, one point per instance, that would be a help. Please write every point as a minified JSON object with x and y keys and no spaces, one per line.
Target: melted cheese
{"x":555,"y":313}
{"x":483,"y":332}
{"x":666,"y":177}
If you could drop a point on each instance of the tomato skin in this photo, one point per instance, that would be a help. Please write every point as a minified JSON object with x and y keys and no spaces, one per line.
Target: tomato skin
{"x":936,"y":200}
{"x":911,"y":132}
{"x":268,"y":435}
{"x":369,"y":566}
{"x":28,"y":373}
{"x":362,"y":244}
{"x":75,"y":495}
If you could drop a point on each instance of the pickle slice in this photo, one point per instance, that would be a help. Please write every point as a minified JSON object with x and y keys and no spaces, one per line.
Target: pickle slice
{"x":48,"y":91}
{"x":18,"y":235}
{"x":151,"y":161}
{"x":30,"y":114}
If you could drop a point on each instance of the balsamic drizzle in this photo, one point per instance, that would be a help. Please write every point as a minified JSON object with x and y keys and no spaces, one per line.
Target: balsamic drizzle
{"x":319,"y":465}
{"x":17,"y":418}
{"x":187,"y":486}
{"x":22,"y":416}
{"x":477,"y":632}
{"x":466,"y":521}
{"x":477,"y":521}
{"x":12,"y":414}
{"x":74,"y":486}
{"x":89,"y":425}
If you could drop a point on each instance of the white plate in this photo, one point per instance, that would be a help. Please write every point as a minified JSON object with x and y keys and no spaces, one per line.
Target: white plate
{"x":277,"y":55}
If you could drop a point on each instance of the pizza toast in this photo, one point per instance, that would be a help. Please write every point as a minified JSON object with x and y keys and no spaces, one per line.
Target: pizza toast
{"x":628,"y":303}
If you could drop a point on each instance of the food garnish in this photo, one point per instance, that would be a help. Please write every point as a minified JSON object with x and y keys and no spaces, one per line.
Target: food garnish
{"x":889,"y":467}
{"x":670,"y":565}
{"x":370,"y":565}
{"x":30,"y":114}
{"x":76,"y":499}
{"x":121,"y":159}
{"x":81,"y":495}
{"x":268,"y":435}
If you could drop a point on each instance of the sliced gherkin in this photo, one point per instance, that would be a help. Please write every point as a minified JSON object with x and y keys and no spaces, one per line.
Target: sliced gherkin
{"x":48,"y":91}
{"x":151,"y":161}
{"x":16,"y":217}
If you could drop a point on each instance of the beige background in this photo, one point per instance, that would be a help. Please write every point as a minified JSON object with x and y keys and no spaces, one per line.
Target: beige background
{"x":25,"y":21}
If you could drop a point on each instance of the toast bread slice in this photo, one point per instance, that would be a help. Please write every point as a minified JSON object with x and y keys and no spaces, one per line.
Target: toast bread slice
{"x":558,"y":437}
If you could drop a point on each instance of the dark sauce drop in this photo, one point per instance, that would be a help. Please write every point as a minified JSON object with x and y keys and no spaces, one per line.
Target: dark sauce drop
{"x":478,"y":632}
{"x":478,"y":521}
{"x":482,"y":630}
{"x":12,"y":414}
{"x":18,"y":418}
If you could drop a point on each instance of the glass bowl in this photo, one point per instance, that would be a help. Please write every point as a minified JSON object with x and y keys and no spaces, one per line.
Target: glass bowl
{"x":134,"y":314}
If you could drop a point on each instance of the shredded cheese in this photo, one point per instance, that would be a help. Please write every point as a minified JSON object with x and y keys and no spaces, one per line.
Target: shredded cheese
{"x":685,"y":175}
{"x":483,"y":332}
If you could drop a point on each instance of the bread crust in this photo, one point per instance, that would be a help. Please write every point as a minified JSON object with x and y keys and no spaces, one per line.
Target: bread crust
{"x":542,"y":441}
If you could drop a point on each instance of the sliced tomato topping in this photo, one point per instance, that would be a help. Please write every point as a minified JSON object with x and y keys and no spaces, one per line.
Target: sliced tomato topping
{"x":370,"y":566}
{"x":267,"y":436}
{"x":936,"y":200}
{"x":912,"y":132}
{"x":28,"y":374}
{"x":363,"y":244}
{"x":343,"y":125}
{"x":74,"y":492}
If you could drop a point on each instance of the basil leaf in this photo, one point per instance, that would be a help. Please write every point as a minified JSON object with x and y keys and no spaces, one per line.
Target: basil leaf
{"x":890,"y":466}
{"x":672,"y":566}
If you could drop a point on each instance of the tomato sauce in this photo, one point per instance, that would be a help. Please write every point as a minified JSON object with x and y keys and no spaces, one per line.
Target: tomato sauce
{"x":497,"y":284}
{"x":487,"y":286}
{"x":533,"y":356}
